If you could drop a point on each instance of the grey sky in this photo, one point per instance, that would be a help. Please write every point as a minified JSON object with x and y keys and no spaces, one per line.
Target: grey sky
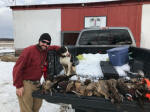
{"x":6,"y":22}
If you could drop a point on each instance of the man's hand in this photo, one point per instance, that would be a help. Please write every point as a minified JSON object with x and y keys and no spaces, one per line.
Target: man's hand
{"x":19,"y":91}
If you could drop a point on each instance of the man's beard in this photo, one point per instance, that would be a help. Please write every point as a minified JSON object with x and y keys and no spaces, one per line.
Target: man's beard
{"x":42,"y":47}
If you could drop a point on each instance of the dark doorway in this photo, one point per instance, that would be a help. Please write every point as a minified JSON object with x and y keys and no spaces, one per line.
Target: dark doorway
{"x":69,"y":37}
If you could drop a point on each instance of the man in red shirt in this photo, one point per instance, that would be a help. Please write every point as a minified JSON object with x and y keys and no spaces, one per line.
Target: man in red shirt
{"x":28,"y":70}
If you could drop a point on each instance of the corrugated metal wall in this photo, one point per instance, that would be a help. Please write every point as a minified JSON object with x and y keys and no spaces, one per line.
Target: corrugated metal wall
{"x":128,"y":15}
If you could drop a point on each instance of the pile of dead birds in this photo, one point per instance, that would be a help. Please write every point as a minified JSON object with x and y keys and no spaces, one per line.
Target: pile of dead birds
{"x":115,"y":90}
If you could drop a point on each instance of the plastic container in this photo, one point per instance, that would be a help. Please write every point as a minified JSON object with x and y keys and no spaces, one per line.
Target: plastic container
{"x":118,"y":56}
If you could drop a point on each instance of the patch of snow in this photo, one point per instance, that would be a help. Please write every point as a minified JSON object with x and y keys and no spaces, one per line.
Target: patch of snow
{"x":6,"y":50}
{"x":122,"y":69}
{"x":89,"y":67}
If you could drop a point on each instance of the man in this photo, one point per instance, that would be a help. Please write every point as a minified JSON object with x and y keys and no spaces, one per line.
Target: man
{"x":28,"y":70}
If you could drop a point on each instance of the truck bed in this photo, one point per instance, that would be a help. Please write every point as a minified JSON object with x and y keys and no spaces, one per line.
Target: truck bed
{"x":140,"y":60}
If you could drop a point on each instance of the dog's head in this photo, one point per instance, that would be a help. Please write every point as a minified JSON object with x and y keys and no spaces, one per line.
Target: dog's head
{"x":63,"y":52}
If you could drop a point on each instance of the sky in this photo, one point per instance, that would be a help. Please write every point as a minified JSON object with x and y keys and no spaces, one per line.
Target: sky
{"x":6,"y":19}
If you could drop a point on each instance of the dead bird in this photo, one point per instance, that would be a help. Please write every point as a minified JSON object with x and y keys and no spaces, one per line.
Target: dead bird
{"x":76,"y":87}
{"x":87,"y":81}
{"x":70,"y":87}
{"x":102,"y":89}
{"x":78,"y":84}
{"x":61,"y":87}
{"x":115,"y":96}
{"x":47,"y":87}
{"x":91,"y":87}
{"x":123,"y":88}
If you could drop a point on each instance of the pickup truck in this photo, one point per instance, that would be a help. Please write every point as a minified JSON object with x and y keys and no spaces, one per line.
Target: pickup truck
{"x":95,"y":40}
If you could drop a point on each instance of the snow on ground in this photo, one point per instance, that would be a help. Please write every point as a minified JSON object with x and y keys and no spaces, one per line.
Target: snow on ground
{"x":8,"y":98}
{"x":6,"y":50}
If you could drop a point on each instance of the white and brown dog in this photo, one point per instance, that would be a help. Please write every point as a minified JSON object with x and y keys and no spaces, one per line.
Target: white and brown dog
{"x":65,"y":61}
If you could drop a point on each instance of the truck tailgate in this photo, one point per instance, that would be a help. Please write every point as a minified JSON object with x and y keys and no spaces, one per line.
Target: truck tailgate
{"x":91,"y":103}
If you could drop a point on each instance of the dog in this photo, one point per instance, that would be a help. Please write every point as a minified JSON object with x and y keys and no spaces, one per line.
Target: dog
{"x":66,"y":61}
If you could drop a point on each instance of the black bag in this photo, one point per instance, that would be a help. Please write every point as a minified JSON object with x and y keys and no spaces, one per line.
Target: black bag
{"x":108,"y":70}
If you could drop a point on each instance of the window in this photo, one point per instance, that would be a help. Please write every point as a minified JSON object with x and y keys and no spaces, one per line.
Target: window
{"x":105,"y":37}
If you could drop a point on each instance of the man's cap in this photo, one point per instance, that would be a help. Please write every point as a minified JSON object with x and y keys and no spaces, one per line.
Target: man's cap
{"x":45,"y":36}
